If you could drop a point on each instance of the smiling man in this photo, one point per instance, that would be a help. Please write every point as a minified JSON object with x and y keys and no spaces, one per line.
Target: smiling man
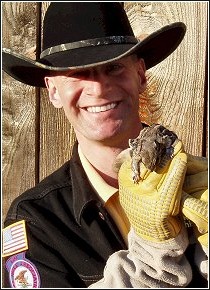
{"x":71,"y":230}
{"x":102,"y":105}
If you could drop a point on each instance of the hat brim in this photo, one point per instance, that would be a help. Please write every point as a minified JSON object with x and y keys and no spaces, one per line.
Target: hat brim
{"x":153,"y":49}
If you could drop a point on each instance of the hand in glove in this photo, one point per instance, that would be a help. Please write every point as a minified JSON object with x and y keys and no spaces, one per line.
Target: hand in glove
{"x":195,"y":197}
{"x":196,"y":180}
{"x":153,"y":205}
{"x":195,"y":207}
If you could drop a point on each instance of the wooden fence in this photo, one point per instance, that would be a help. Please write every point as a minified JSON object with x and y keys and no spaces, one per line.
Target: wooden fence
{"x":37,"y":138}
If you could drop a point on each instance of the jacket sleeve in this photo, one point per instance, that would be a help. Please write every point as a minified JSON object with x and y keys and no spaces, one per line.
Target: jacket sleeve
{"x":148,"y":265}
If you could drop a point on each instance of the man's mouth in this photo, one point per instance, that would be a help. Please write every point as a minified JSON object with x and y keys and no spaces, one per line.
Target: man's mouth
{"x":98,"y":109}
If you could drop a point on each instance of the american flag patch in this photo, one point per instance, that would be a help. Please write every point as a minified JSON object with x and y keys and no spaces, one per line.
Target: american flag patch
{"x":14,"y":239}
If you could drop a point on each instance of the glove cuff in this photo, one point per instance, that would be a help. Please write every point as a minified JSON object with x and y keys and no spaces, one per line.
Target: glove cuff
{"x":163,"y":262}
{"x":180,"y":242}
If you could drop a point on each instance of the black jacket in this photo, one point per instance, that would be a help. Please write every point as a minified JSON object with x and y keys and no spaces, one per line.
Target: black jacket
{"x":70,"y":234}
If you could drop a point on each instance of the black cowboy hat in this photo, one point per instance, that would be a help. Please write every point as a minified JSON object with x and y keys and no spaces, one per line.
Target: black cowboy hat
{"x":85,"y":34}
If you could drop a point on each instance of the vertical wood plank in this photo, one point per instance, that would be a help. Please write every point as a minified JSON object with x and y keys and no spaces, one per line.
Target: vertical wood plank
{"x":175,"y":96}
{"x":56,"y":136}
{"x":18,"y":105}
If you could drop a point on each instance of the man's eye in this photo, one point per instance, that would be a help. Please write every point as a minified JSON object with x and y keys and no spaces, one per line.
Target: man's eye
{"x":80,"y":74}
{"x":114,"y":68}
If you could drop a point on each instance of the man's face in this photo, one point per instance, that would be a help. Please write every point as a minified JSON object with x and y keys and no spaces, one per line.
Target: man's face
{"x":102,"y":102}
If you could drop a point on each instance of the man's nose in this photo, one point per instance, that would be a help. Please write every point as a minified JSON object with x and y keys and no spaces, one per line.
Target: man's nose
{"x":98,"y":84}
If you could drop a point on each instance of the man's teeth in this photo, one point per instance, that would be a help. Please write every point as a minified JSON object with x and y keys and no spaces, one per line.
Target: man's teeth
{"x":99,"y":109}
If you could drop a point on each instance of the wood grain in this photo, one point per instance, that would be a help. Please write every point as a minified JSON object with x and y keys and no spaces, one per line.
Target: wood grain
{"x":18,"y":105}
{"x":56,"y":133}
{"x":57,"y":137}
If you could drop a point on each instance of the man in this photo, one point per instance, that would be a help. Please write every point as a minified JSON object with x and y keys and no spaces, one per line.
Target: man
{"x":78,"y":233}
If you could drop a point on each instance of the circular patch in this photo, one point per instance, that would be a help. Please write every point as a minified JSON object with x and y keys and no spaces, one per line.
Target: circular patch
{"x":23,"y":273}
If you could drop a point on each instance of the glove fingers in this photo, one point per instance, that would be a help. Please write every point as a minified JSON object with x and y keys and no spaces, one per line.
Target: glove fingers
{"x":152,"y":203}
{"x":122,"y":157}
{"x":195,"y":210}
{"x":178,"y":147}
{"x":175,"y":172}
{"x":202,"y":195}
{"x":196,"y":164}
{"x":203,"y":239}
{"x":168,"y":182}
{"x":196,"y":182}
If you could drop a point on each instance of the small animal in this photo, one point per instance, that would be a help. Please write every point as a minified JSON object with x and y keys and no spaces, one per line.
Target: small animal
{"x":153,"y":147}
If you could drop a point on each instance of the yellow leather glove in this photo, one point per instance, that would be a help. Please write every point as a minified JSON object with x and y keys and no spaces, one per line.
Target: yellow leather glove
{"x":194,"y":200}
{"x":196,"y":180}
{"x":153,"y":205}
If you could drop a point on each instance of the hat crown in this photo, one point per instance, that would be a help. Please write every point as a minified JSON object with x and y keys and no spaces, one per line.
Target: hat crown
{"x":76,"y":21}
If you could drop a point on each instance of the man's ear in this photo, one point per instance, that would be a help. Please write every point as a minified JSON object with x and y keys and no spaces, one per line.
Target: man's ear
{"x":142,"y":75}
{"x":53,"y":93}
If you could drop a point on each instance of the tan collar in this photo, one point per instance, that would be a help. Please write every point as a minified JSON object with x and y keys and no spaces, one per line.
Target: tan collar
{"x":104,"y":190}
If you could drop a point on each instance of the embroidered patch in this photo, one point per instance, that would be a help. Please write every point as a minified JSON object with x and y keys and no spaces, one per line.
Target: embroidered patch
{"x":22,"y":272}
{"x":14,"y":239}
